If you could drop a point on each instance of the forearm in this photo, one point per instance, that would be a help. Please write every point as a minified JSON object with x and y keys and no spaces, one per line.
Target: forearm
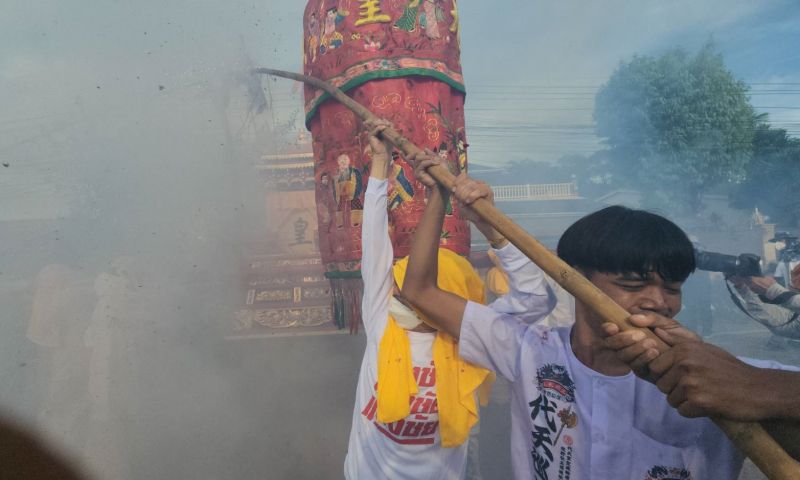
{"x":781,"y":394}
{"x":441,"y":309}
{"x":783,"y":297}
{"x":379,"y":168}
{"x":423,"y":265}
{"x":771,"y":316}
{"x":377,"y":254}
{"x":495,"y":238}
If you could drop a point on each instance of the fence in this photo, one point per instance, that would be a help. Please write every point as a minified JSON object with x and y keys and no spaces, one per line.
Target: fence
{"x":545,"y":191}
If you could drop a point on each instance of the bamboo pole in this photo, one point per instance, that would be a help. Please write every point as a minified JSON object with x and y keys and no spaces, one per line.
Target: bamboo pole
{"x":750,"y":437}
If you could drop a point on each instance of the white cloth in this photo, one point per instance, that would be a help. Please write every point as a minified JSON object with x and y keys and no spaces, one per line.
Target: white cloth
{"x":410,"y":448}
{"x":570,"y":422}
{"x":781,"y":319}
{"x":527,"y":288}
{"x":402,"y":315}
{"x":529,"y":298}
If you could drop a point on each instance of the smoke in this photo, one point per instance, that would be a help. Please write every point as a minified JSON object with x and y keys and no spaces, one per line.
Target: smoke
{"x":129,"y":207}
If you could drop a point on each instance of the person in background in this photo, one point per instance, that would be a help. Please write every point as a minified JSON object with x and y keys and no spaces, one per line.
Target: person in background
{"x":771,"y":304}
{"x":497,"y":282}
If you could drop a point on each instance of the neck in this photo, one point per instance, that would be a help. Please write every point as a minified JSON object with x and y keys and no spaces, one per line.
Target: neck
{"x":587,"y":344}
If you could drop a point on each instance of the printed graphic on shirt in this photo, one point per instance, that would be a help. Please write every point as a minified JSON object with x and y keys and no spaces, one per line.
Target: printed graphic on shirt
{"x":422,"y":423}
{"x":552,"y":412}
{"x":660,"y":472}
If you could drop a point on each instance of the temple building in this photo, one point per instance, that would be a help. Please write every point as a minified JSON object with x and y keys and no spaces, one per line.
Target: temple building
{"x":285,"y":291}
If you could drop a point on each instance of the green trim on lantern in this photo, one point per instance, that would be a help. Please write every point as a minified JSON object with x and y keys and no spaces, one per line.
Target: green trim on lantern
{"x":342,"y":275}
{"x":382,"y":74}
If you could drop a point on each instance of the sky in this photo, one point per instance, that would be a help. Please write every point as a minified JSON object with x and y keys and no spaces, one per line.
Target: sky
{"x":531,"y":68}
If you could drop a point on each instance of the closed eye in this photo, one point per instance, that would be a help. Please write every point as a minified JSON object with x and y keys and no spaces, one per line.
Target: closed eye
{"x":631,"y":287}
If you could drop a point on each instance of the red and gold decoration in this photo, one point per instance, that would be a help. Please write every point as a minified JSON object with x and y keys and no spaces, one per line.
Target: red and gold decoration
{"x":401,"y":60}
{"x":287,"y":293}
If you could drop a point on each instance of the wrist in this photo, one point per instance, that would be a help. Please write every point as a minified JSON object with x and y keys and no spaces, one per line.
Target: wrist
{"x":495,"y":238}
{"x":784,"y":401}
{"x":498,"y":242}
{"x":439,"y":190}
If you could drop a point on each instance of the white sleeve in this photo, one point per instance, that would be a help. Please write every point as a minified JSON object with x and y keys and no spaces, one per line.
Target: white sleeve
{"x":788,"y":299}
{"x":771,"y":364}
{"x":491,"y":340}
{"x":376,"y":259}
{"x":777,"y":319}
{"x":529,"y":297}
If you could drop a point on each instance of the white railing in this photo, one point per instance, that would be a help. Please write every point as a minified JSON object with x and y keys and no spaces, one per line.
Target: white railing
{"x":544,"y":191}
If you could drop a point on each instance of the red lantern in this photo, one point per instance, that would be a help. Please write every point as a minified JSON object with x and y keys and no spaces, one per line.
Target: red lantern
{"x":401,"y":60}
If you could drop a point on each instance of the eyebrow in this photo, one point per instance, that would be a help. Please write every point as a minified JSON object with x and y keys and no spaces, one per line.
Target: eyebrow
{"x":633,"y":276}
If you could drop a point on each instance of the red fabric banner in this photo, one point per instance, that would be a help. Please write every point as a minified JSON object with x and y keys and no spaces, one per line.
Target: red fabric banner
{"x":401,"y":60}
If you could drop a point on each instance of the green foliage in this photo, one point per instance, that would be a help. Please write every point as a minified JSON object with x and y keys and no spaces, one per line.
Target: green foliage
{"x":675,"y":125}
{"x":772,"y":181}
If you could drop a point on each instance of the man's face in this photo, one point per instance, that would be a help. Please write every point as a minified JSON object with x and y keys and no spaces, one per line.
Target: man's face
{"x":638,"y":294}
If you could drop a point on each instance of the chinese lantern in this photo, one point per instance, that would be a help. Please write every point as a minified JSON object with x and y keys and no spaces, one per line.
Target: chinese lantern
{"x":401,"y":60}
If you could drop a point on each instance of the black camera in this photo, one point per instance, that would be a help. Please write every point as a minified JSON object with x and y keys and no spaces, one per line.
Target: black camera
{"x":744,"y":265}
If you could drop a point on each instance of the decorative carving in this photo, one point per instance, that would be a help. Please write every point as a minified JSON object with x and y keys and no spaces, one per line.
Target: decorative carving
{"x":285,"y":317}
{"x":274,"y":296}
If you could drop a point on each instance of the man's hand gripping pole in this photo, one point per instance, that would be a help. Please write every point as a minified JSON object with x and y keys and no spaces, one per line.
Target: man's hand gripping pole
{"x":750,"y":437}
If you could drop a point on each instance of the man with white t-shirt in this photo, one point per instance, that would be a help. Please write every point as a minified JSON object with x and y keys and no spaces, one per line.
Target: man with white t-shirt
{"x":578,"y":410}
{"x":416,"y":398}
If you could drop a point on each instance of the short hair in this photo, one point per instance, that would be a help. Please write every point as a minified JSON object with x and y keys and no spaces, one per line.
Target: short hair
{"x":617,"y":239}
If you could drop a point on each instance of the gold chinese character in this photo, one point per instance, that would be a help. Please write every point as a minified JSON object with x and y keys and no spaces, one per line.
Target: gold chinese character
{"x":370,"y":12}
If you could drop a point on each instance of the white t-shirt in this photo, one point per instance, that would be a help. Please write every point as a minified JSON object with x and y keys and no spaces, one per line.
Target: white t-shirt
{"x":410,"y":448}
{"x":570,"y":422}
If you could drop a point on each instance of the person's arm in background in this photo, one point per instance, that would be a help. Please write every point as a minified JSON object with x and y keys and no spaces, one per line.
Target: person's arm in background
{"x":780,"y":317}
{"x":377,"y":252}
{"x":775,"y":293}
{"x":442,"y":310}
{"x":529,"y":296}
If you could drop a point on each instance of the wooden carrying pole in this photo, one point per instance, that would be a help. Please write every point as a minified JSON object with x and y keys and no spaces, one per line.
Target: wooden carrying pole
{"x":750,"y":438}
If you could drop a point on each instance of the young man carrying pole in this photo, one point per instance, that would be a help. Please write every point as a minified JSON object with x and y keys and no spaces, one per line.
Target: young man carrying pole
{"x":416,"y":398}
{"x":578,"y":411}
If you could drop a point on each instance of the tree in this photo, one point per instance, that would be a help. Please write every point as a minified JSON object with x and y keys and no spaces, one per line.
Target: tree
{"x":676,"y":125}
{"x":772,"y":180}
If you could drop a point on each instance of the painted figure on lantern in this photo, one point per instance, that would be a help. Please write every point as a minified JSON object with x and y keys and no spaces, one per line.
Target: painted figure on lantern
{"x":348,"y":189}
{"x":402,"y":190}
{"x":428,"y":19}
{"x":331,"y":38}
{"x":326,"y":202}
{"x":312,"y":42}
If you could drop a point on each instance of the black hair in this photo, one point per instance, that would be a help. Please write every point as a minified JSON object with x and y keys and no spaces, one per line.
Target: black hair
{"x":617,"y":239}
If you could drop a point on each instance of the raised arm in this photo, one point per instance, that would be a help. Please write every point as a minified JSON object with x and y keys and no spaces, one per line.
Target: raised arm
{"x":442,"y":310}
{"x":529,"y":297}
{"x":377,"y":253}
